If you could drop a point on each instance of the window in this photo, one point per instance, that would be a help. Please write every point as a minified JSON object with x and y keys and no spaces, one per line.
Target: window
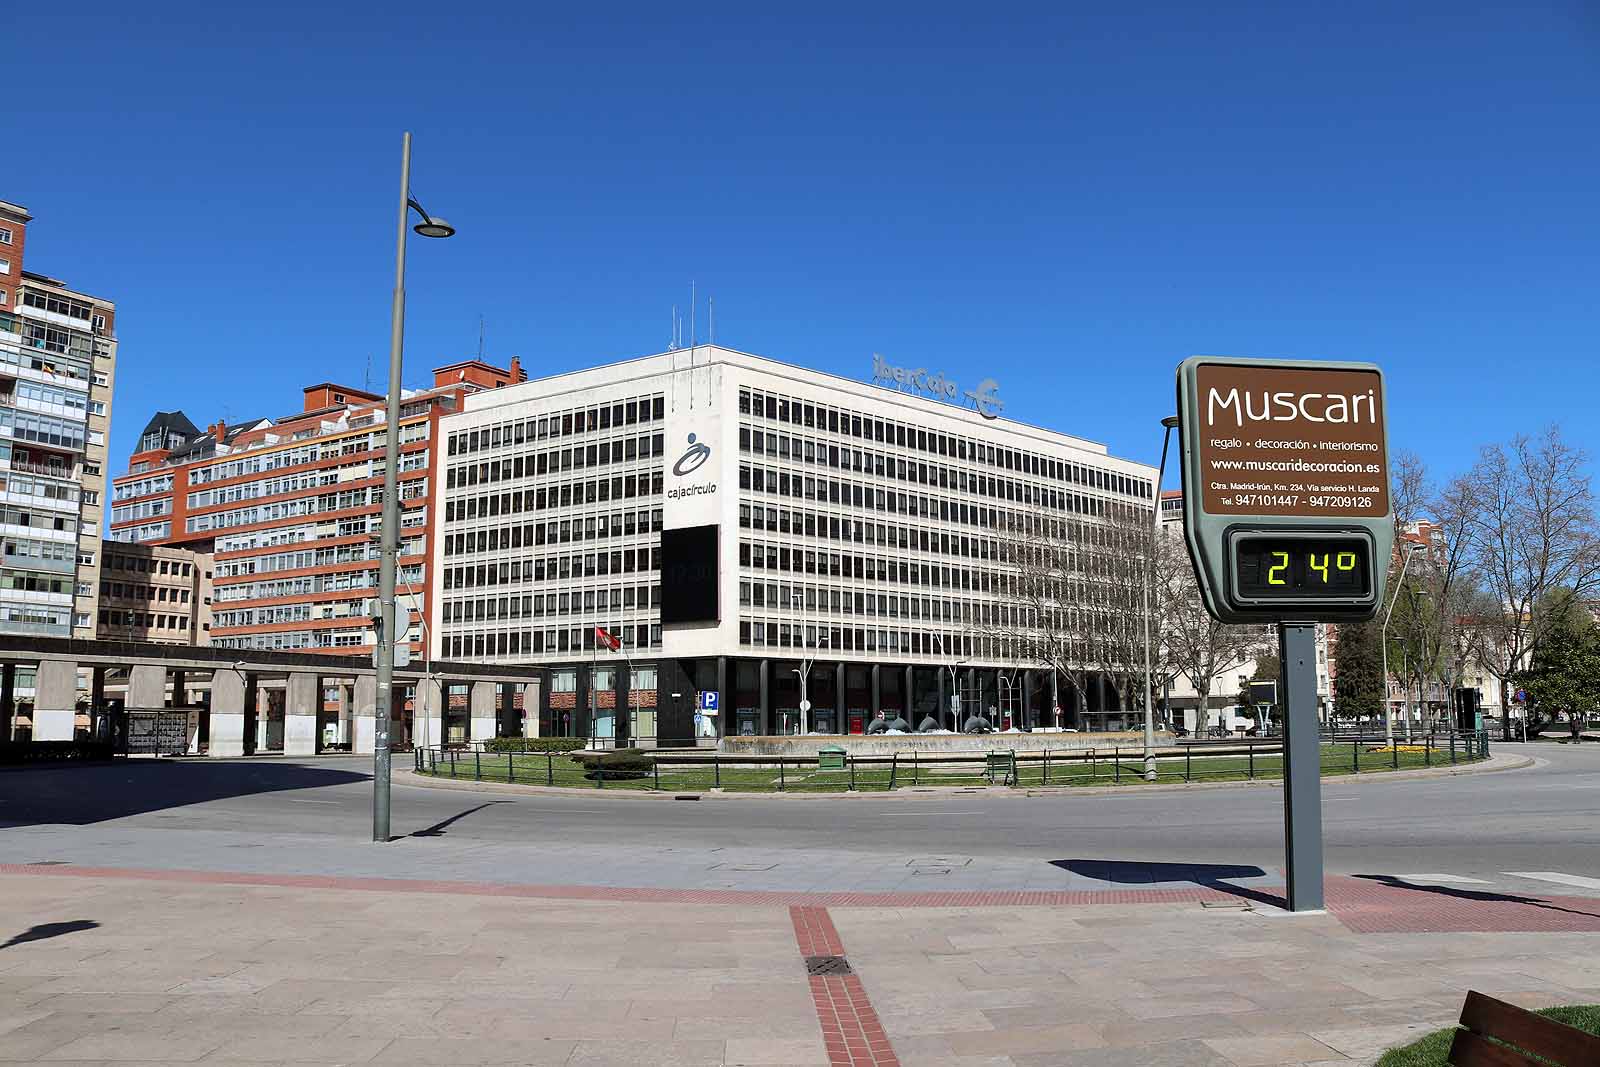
{"x":5,"y":266}
{"x":97,"y":407}
{"x":5,"y":236}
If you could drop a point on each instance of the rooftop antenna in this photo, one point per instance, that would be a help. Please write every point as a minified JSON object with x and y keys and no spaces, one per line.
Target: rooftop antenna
{"x":480,"y":337}
{"x":711,"y":316}
{"x":366,"y":383}
{"x":692,"y":339}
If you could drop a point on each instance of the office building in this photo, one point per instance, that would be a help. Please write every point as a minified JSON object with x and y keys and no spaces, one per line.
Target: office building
{"x":713,"y":540}
{"x":288,"y":509}
{"x":154,"y":593}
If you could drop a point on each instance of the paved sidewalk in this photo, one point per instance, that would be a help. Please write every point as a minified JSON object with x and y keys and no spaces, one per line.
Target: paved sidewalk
{"x":102,"y":967}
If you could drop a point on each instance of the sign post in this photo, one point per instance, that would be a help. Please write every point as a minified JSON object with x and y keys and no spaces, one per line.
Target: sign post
{"x":1288,"y":521}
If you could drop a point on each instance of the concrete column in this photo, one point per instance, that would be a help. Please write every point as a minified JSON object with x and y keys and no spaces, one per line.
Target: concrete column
{"x":346,"y":702}
{"x":907,"y":708}
{"x":944,"y":696}
{"x":147,"y":687}
{"x":301,"y":696}
{"x":1027,"y":700}
{"x":427,"y":720}
{"x":228,"y":689}
{"x":364,"y":709}
{"x":180,"y":687}
{"x":55,"y":701}
{"x":877,"y":694}
{"x":840,"y":723}
{"x":764,"y":673}
{"x":530,"y":710}
{"x":8,"y":699}
{"x":481,"y":703}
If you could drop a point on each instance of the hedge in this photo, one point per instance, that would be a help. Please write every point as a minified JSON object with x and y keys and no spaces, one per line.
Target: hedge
{"x":534,"y":744}
{"x":615,"y":764}
{"x":54,"y":751}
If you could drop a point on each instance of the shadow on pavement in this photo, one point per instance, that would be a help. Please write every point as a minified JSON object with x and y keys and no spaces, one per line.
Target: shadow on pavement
{"x":44,"y":931}
{"x":78,"y":795}
{"x":438,"y":828}
{"x":1473,"y":894}
{"x":1150,"y":875}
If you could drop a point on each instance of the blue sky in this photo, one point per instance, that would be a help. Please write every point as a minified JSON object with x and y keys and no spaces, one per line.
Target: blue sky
{"x":1070,"y":198}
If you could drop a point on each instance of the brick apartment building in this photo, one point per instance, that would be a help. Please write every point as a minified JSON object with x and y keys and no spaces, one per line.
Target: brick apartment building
{"x":289,"y":509}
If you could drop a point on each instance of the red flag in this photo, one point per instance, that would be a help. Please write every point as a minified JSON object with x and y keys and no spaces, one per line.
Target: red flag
{"x":613,"y":643}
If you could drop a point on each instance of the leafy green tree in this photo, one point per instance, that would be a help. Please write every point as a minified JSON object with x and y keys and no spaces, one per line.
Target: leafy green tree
{"x":1358,"y":685}
{"x":1564,"y":677}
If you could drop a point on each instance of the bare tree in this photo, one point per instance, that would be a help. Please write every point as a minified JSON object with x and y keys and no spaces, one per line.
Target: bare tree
{"x":1197,"y":646}
{"x":1532,"y":532}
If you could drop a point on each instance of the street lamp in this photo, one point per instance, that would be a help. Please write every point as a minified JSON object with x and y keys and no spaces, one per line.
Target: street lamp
{"x":1168,"y":424}
{"x":1383,"y":641}
{"x":428,"y":227}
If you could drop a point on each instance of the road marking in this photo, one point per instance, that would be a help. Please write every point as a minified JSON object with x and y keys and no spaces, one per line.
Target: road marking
{"x":1461,"y":878}
{"x":930,"y":814}
{"x":1556,"y":876}
{"x":297,"y":800}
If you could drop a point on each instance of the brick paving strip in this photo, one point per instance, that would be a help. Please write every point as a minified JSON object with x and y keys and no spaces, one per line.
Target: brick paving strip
{"x":851,"y":1030}
{"x":1375,"y":904}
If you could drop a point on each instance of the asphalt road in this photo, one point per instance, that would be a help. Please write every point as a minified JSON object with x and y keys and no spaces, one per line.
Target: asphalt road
{"x":1484,"y":829}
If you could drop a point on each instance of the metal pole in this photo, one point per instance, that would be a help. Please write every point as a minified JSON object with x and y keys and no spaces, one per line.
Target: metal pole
{"x":1302,"y":766}
{"x":391,"y":516}
{"x":1149,"y":580}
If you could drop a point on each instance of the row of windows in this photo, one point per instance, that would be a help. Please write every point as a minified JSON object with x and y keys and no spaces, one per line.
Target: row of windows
{"x":159,"y":594}
{"x":24,"y":485}
{"x":916,"y":438}
{"x":554,"y":568}
{"x":58,"y":305}
{"x":570,"y":494}
{"x":309,"y":557}
{"x":45,"y":429}
{"x":555,"y":531}
{"x":34,"y":360}
{"x":72,"y":401}
{"x":144,"y":509}
{"x":535,"y":464}
{"x":545,"y":642}
{"x":142,"y":620}
{"x":941,"y":645}
{"x":38,"y":520}
{"x":35,"y":581}
{"x":287,"y":639}
{"x":306,"y":584}
{"x":589,"y":420}
{"x":150,"y":565}
{"x":21,"y":550}
{"x":323,"y":503}
{"x":358,"y":444}
{"x":160,"y":483}
{"x":537,"y":606}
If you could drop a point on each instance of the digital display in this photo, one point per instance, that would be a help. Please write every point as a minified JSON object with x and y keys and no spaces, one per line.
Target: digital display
{"x":1302,"y":568}
{"x":689,"y":575}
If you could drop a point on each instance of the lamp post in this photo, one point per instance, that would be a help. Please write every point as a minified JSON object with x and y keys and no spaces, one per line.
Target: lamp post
{"x":1167,"y":424}
{"x":1383,"y":642}
{"x":428,"y":227}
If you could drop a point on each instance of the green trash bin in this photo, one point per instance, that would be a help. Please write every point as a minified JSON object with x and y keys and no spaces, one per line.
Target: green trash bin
{"x":1002,"y":766}
{"x":830,"y":758}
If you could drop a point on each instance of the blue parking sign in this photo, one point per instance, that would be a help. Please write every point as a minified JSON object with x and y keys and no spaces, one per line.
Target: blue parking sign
{"x":707,"y":700}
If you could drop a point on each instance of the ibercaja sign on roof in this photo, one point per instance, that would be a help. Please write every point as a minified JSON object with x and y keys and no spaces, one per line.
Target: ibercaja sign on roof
{"x":1286,"y":487}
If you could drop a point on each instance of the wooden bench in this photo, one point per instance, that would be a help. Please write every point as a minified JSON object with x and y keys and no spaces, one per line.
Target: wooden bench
{"x":1519,"y":1036}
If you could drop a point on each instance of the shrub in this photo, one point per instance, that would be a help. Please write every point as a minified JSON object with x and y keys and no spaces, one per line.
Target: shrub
{"x":54,"y":751}
{"x":615,"y":764}
{"x":534,"y":744}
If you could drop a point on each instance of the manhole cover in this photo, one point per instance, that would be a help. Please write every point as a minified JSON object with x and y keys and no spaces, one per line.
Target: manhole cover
{"x":827,"y":965}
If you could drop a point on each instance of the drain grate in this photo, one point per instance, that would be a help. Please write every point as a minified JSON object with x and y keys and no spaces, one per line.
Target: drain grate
{"x":828,"y":965}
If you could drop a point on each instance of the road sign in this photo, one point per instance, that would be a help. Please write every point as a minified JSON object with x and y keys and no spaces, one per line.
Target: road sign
{"x":706,"y":700}
{"x":805,"y":705}
{"x":1286,"y":487}
{"x":1521,"y":696}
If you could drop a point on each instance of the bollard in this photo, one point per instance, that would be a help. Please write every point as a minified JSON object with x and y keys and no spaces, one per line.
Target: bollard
{"x":549,"y":768}
{"x":1427,"y":751}
{"x":716,"y":770}
{"x":1251,"y":747}
{"x":894,"y":764}
{"x":1394,"y":754}
{"x":852,"y":760}
{"x":1045,"y":780}
{"x":1116,"y":765}
{"x":477,"y":764}
{"x":780,"y":774}
{"x":511,"y":770}
{"x":655,"y":769}
{"x":916,"y":768}
{"x":1188,"y":753}
{"x":1452,"y":746}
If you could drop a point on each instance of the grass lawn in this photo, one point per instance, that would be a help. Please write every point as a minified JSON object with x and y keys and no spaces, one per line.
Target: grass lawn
{"x":1431,"y":1051}
{"x":1111,"y":768}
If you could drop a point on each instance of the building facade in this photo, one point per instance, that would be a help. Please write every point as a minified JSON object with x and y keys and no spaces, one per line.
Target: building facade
{"x":801,"y":551}
{"x":154,"y":593}
{"x":58,"y":352}
{"x":288,"y":510}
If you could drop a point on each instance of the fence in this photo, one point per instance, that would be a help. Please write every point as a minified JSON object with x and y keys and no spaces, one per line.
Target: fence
{"x":690,"y":772}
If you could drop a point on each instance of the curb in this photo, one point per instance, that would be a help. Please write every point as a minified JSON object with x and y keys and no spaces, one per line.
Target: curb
{"x":1493,"y":765}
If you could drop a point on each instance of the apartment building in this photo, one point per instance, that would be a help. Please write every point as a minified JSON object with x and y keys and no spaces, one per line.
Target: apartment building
{"x":288,"y":509}
{"x":58,"y":352}
{"x":714,"y":537}
{"x":154,"y":593}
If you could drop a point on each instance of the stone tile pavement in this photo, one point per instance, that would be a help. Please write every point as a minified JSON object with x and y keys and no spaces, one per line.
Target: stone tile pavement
{"x":190,"y":971}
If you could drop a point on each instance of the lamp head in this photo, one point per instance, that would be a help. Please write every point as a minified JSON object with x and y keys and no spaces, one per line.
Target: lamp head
{"x":1170,"y":422}
{"x":433,"y":226}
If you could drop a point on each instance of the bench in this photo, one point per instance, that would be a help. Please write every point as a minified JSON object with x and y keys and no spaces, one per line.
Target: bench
{"x":1518,"y":1037}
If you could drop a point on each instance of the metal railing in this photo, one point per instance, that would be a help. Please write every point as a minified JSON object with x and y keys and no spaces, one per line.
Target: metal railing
{"x":688,"y":771}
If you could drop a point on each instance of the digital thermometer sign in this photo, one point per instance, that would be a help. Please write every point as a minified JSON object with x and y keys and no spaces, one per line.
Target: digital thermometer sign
{"x":1301,"y":569}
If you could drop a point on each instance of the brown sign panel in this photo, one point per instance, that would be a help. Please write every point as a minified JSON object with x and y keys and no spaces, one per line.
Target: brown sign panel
{"x":1301,"y":441}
